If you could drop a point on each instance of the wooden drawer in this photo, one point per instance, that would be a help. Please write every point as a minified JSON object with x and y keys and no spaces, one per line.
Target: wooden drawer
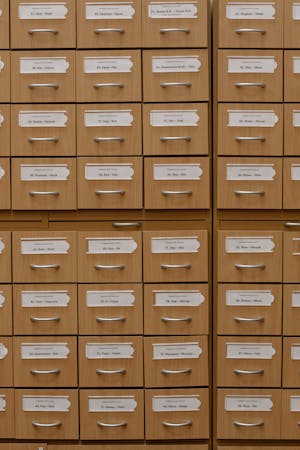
{"x":179,"y":309}
{"x":43,"y":183}
{"x":290,"y":414}
{"x":249,"y":414}
{"x":176,"y":361}
{"x":101,"y":25}
{"x":250,"y":129}
{"x":7,"y":416}
{"x":175,"y":256}
{"x":5,"y":183}
{"x":250,"y":256}
{"x":46,"y":414}
{"x":249,"y":361}
{"x":291,"y":178}
{"x":109,"y":130}
{"x":249,"y":309}
{"x":5,"y":257}
{"x":43,"y":76}
{"x":250,"y":75}
{"x":110,"y":183}
{"x":291,"y":129}
{"x":6,"y":361}
{"x":175,"y":75}
{"x":177,"y":183}
{"x":111,"y":361}
{"x":112,"y":414}
{"x":291,"y":358}
{"x":291,"y":257}
{"x":167,"y":420}
{"x":291,"y":24}
{"x":44,"y":256}
{"x":291,"y":75}
{"x":109,"y":309}
{"x":5,"y":68}
{"x":175,"y":25}
{"x":250,"y":25}
{"x":43,"y":309}
{"x":43,"y":25}
{"x":291,"y":311}
{"x":109,"y":257}
{"x":108,"y":76}
{"x":249,"y":183}
{"x":45,"y":361}
{"x":43,"y":130}
{"x":6,"y":306}
{"x":4,"y":127}
{"x":4,"y":24}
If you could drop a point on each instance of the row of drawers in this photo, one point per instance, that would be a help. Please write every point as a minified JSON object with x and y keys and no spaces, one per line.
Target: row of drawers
{"x":110,"y":129}
{"x":105,"y":183}
{"x":127,"y":361}
{"x":105,"y":414}
{"x":111,"y":446}
{"x":258,"y":75}
{"x":260,"y":25}
{"x":42,"y":24}
{"x":104,"y":76}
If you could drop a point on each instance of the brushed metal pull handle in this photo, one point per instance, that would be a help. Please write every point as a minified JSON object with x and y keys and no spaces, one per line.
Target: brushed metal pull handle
{"x":112,"y":425}
{"x":46,"y":425}
{"x":109,"y":30}
{"x":249,"y":84}
{"x":176,"y":319}
{"x":250,"y":193}
{"x":250,"y":30}
{"x":292,"y":224}
{"x":44,"y":266}
{"x":249,"y":319}
{"x":36,"y":193}
{"x":176,"y":266}
{"x":249,"y":372}
{"x":109,"y":139}
{"x":176,"y":193}
{"x":110,"y":319}
{"x":249,"y":266}
{"x":118,"y":191}
{"x":42,"y":85}
{"x":174,"y":30}
{"x":43,"y":139}
{"x":100,"y":85}
{"x":175,"y":372}
{"x":43,"y":30}
{"x":178,"y":83}
{"x":102,"y":267}
{"x":250,"y":138}
{"x":44,"y":319}
{"x":241,"y":424}
{"x":110,"y":372}
{"x":177,"y":425}
{"x":45,"y":372}
{"x":126,"y":224}
{"x":175,"y":138}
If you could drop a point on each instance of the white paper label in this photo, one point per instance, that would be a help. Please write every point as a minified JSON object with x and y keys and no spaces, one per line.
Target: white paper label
{"x":248,"y":403}
{"x":109,"y":172}
{"x":174,"y":64}
{"x":96,"y":299}
{"x":296,"y":118}
{"x":245,"y":172}
{"x":108,"y":118}
{"x":3,"y":351}
{"x":42,"y":11}
{"x":2,"y":246}
{"x":177,"y":171}
{"x":124,"y":350}
{"x":109,"y":11}
{"x":44,"y":172}
{"x":171,"y":10}
{"x":56,"y":350}
{"x":294,"y":403}
{"x":296,"y":11}
{"x":1,"y":120}
{"x":45,"y":299}
{"x":178,"y":298}
{"x":295,"y":352}
{"x":111,"y":246}
{"x":251,"y":64}
{"x":1,"y":65}
{"x":112,"y":404}
{"x":2,"y":172}
{"x":296,"y":64}
{"x":107,"y":64}
{"x":2,"y":403}
{"x":249,"y":244}
{"x":44,"y":65}
{"x":2,"y":299}
{"x":47,"y":246}
{"x":37,"y":119}
{"x":296,"y":299}
{"x":249,"y":298}
{"x":175,"y":245}
{"x":190,"y":350}
{"x":295,"y":172}
{"x":249,"y":351}
{"x":245,"y":118}
{"x":185,"y":118}
{"x":176,"y":403}
{"x":246,"y":10}
{"x":46,"y":403}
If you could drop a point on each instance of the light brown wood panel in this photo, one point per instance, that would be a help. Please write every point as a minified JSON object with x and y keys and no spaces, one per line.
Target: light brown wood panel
{"x":291,"y":76}
{"x":5,"y":79}
{"x":67,"y":421}
{"x":43,"y":314}
{"x":291,"y":129}
{"x":5,"y":257}
{"x":291,"y":362}
{"x":5,"y":184}
{"x":6,"y":361}
{"x":23,"y":446}
{"x":291,"y":257}
{"x":4,"y":24}
{"x":290,"y":414}
{"x":291,"y":179}
{"x":7,"y":415}
{"x":6,"y":310}
{"x":4,"y":128}
{"x":107,"y":316}
{"x":291,"y":26}
{"x":291,"y":311}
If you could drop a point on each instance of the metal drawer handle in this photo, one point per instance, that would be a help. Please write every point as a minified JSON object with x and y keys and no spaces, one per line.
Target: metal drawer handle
{"x":241,"y":424}
{"x":126,"y":224}
{"x":175,"y":138}
{"x":34,"y":193}
{"x":176,"y":266}
{"x":250,"y":266}
{"x":100,"y":85}
{"x":43,"y":139}
{"x":109,"y":139}
{"x":248,"y":372}
{"x":109,"y":30}
{"x":118,"y":266}
{"x":44,"y":266}
{"x":176,"y":192}
{"x":176,"y":425}
{"x":245,"y":84}
{"x":43,"y":30}
{"x":45,"y":372}
{"x":110,"y":372}
{"x":292,"y":224}
{"x":249,"y":192}
{"x":44,"y":319}
{"x":250,"y":30}
{"x":172,"y":30}
{"x":250,"y":138}
{"x":178,"y":83}
{"x":118,"y":191}
{"x":110,"y":319}
{"x":175,"y":372}
{"x":248,"y":319}
{"x":47,"y":425}
{"x":112,"y":425}
{"x":38,"y":85}
{"x":175,"y":319}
